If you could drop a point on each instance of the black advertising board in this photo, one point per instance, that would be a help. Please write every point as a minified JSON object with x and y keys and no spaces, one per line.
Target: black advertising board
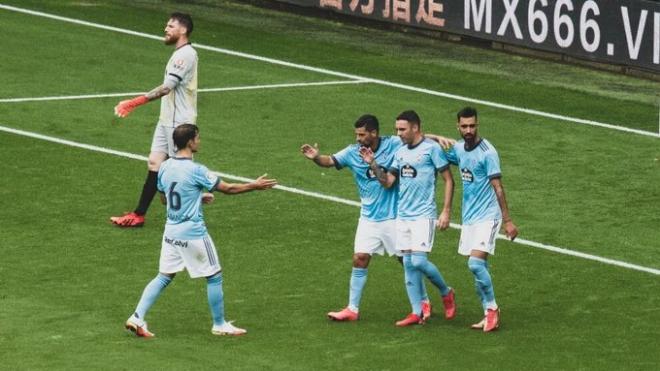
{"x":622,"y":32}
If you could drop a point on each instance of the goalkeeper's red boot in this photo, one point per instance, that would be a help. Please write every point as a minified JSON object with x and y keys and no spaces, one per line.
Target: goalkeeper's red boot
{"x":128,"y":220}
{"x":411,"y":319}
{"x":344,"y":315}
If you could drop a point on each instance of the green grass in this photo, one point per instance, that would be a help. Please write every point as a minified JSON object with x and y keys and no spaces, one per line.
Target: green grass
{"x":69,"y":279}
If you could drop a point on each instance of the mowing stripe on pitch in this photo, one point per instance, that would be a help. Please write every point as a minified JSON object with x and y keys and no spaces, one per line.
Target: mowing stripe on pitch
{"x":344,"y":75}
{"x":208,"y":90}
{"x":520,"y":241}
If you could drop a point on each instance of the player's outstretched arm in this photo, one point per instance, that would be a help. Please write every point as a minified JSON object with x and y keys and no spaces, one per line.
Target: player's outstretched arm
{"x":510,"y":229}
{"x":125,"y":107}
{"x":444,"y":142}
{"x":312,"y":153}
{"x":445,"y":215}
{"x":386,"y":179}
{"x":258,"y":184}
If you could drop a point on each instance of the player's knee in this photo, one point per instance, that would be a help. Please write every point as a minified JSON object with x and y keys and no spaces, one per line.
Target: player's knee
{"x":476,"y":266}
{"x":361,"y":260}
{"x":166,"y":278}
{"x":419,"y":261}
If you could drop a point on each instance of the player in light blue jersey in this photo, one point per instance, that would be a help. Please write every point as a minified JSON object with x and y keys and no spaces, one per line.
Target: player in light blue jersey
{"x":483,"y":210}
{"x":186,"y":243}
{"x":376,"y":227}
{"x":414,"y":169}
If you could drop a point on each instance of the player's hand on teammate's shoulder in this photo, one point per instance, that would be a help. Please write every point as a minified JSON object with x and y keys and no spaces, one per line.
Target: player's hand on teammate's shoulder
{"x":207,"y":198}
{"x":264,"y":183}
{"x":311,"y":152}
{"x":510,"y":229}
{"x":446,"y":143}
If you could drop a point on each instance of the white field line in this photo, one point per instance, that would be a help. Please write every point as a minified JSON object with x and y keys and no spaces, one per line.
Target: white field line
{"x":208,"y":90}
{"x":344,"y":75}
{"x":520,"y":241}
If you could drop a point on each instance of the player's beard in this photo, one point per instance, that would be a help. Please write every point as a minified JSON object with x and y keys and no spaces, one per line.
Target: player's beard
{"x":170,"y":39}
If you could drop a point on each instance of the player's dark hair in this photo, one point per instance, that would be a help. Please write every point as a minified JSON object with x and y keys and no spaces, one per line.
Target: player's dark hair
{"x":185,"y":20}
{"x":183,"y":133}
{"x":369,"y":122}
{"x":466,"y":112}
{"x":411,"y":116}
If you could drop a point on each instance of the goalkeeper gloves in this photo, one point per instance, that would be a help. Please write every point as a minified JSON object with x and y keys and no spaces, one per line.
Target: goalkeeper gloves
{"x":127,"y":106}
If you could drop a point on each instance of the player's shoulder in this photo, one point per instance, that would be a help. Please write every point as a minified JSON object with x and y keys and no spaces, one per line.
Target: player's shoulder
{"x":486,"y":146}
{"x":186,"y":51}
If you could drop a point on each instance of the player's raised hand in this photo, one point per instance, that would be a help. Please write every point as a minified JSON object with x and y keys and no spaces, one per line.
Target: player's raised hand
{"x":367,"y":154}
{"x":510,"y":230}
{"x":123,"y":108}
{"x":443,"y":222}
{"x":311,"y":152}
{"x":262,"y":182}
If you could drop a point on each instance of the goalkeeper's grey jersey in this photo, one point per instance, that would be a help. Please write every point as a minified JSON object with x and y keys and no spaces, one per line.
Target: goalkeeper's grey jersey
{"x":180,"y":105}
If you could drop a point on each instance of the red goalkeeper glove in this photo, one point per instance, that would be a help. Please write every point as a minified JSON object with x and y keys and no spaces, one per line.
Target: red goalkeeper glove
{"x":127,"y":106}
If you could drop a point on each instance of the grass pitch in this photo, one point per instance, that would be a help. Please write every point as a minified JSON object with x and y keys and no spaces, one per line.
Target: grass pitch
{"x":69,"y":279}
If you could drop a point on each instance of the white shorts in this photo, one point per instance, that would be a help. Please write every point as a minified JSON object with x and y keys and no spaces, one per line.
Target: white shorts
{"x":479,"y":236}
{"x":376,"y":237}
{"x":416,"y":235}
{"x":197,"y":256}
{"x":163,"y":141}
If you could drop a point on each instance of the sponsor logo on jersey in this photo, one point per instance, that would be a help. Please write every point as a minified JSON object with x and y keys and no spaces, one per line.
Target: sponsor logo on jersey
{"x":370,"y":172}
{"x":466,"y":175}
{"x":408,"y":171}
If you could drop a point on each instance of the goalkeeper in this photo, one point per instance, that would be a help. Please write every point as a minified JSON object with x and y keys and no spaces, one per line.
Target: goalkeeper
{"x":178,"y":105}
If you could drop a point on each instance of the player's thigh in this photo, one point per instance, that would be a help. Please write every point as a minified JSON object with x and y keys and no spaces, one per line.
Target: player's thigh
{"x":375,"y":237}
{"x":479,"y":236}
{"x":163,"y":142}
{"x":200,"y":257}
{"x":171,"y":260}
{"x":422,"y":234}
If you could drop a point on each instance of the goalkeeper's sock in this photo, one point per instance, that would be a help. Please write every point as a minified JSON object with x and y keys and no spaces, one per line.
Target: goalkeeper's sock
{"x":216,"y":298}
{"x":148,"y":192}
{"x":483,"y":282}
{"x":358,"y":280}
{"x":150,"y":294}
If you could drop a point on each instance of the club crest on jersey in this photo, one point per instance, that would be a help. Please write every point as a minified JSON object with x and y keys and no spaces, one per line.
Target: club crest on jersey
{"x":408,"y":171}
{"x":370,"y":173}
{"x":466,"y":175}
{"x":179,"y":64}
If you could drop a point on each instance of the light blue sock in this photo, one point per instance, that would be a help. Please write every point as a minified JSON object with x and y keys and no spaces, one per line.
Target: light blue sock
{"x":479,"y":268}
{"x":150,"y":294}
{"x":425,"y":295}
{"x":358,"y":280}
{"x":413,"y":279}
{"x":216,"y":298}
{"x":421,"y":262}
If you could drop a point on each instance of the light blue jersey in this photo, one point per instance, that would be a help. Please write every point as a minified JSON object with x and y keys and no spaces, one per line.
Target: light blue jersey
{"x":378,"y":203}
{"x":478,"y":166}
{"x":417,"y":168}
{"x":183,"y":182}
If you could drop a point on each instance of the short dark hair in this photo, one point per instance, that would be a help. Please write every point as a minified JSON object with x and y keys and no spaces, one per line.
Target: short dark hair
{"x":410,"y":116}
{"x":185,"y":20}
{"x":369,"y":122}
{"x":184,"y":133}
{"x":466,"y":112}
